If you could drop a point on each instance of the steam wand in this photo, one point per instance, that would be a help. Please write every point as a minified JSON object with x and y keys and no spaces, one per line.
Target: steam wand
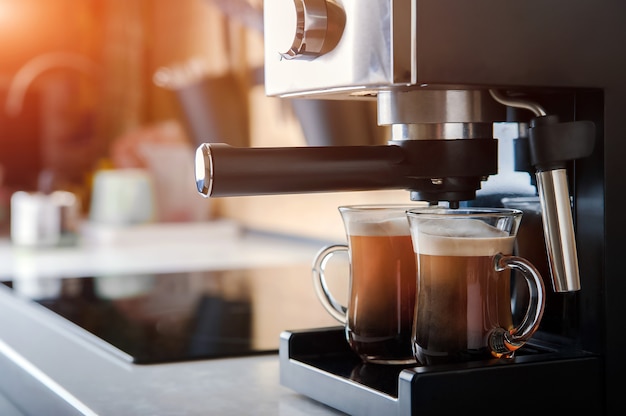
{"x":552,"y":145}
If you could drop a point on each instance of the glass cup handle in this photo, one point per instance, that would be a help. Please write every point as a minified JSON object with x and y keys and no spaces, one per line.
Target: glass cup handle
{"x":332,"y":305}
{"x":503,"y":341}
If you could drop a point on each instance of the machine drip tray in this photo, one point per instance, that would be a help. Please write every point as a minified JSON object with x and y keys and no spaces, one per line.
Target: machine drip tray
{"x":319,"y":364}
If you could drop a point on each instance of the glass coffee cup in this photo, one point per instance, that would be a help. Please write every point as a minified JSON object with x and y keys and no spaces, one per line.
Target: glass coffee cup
{"x":464,"y":259}
{"x":378,"y":319}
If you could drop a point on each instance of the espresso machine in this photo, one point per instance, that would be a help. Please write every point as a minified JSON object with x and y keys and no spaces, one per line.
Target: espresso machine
{"x":442,"y":72}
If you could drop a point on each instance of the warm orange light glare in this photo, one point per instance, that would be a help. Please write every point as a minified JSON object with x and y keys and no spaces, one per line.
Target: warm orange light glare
{"x":11,"y":12}
{"x":27,"y":28}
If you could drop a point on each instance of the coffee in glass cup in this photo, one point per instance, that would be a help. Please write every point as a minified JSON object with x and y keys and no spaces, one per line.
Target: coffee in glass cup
{"x":379,"y":316}
{"x":464,"y":258}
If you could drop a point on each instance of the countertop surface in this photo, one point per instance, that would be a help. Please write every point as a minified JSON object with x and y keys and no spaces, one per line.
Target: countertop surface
{"x":50,"y":366}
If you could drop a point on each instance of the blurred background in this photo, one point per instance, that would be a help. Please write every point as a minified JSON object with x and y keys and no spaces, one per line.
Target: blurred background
{"x":94,"y":85}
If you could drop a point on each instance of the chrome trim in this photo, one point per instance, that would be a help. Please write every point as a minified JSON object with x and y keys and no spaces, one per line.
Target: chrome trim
{"x":558,"y":229}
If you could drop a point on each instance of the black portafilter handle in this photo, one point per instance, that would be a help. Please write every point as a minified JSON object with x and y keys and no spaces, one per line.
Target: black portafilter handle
{"x":433,"y":170}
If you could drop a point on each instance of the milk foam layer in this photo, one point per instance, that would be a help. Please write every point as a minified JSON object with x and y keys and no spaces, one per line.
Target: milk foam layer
{"x":461,"y":237}
{"x":379,"y":226}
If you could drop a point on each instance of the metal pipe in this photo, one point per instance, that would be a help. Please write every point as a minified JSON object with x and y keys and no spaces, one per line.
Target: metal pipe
{"x":559,"y":229}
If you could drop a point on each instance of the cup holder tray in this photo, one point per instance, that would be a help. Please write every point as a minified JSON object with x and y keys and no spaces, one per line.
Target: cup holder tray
{"x":319,"y":364}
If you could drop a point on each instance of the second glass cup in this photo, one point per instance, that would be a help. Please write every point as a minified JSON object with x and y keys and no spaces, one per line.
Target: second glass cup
{"x":379,"y":316}
{"x":464,"y":258}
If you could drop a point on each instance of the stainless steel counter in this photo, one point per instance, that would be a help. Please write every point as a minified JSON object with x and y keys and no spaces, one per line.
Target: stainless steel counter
{"x":49,"y":366}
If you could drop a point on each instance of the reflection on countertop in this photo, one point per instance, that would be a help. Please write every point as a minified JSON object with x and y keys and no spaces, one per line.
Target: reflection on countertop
{"x":149,"y":318}
{"x":66,"y":369}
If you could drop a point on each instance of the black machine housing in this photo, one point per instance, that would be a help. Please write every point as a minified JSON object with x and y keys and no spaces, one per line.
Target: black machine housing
{"x":569,"y":57}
